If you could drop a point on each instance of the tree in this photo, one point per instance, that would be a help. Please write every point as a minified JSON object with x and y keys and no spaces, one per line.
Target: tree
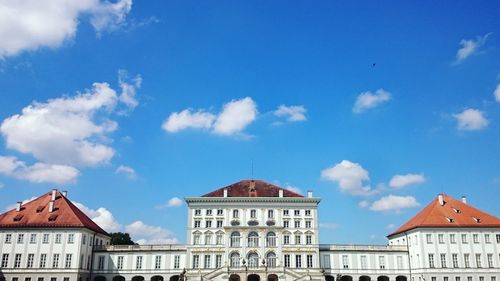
{"x":121,"y":238}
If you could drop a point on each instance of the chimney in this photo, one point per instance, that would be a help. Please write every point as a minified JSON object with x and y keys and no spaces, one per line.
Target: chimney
{"x":54,"y":192}
{"x":225,"y":192}
{"x":464,"y":199}
{"x":65,"y":193}
{"x":51,"y":206}
{"x":281,"y":193}
{"x":18,"y":206}
{"x":440,"y":199}
{"x":309,"y":194}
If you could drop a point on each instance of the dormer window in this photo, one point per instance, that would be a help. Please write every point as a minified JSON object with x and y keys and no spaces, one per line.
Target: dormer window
{"x":40,"y":209}
{"x":477,"y":220}
{"x":53,"y":217}
{"x":450,"y":220}
{"x":18,"y":217}
{"x":456,"y":210}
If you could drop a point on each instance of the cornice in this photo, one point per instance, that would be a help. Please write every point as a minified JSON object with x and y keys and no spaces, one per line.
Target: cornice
{"x":252,"y":200}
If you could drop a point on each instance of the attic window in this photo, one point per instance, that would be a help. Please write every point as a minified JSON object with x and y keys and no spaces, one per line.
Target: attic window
{"x":477,"y":219}
{"x":456,"y":210}
{"x":450,"y":220}
{"x":53,"y":217}
{"x":18,"y":217}
{"x":40,"y":209}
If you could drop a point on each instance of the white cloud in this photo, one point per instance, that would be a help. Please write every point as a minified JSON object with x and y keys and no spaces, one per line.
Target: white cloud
{"x":13,"y":206}
{"x":350,"y":177}
{"x":31,"y":24}
{"x":293,"y":189}
{"x":470,"y":47}
{"x":293,"y":113}
{"x":39,"y":172}
{"x":236,"y":116}
{"x":399,"y":181}
{"x":185,"y":119}
{"x":102,"y":217}
{"x":390,"y":226}
{"x":129,"y":89}
{"x":364,"y":204}
{"x":471,"y":119}
{"x":368,"y":100}
{"x":149,"y":234}
{"x":129,"y":172}
{"x":172,"y":203}
{"x":329,"y":225}
{"x":496,"y":93}
{"x":394,"y":203}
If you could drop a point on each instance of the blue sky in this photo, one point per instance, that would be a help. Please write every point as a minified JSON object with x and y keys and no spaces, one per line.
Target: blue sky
{"x":375,"y":106}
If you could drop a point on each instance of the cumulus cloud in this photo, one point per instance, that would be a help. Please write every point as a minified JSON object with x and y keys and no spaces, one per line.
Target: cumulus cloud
{"x":471,"y":119}
{"x":234,"y":118}
{"x":368,"y":100}
{"x":329,"y":225}
{"x":129,"y":172}
{"x":394,"y":203}
{"x":496,"y":93}
{"x":173,"y":202}
{"x":148,"y":234}
{"x":31,"y":24}
{"x":350,"y":177}
{"x":102,"y":217}
{"x":129,"y":89}
{"x":364,"y":204}
{"x":399,"y":181}
{"x":38,"y":172}
{"x":292,"y":113}
{"x":468,"y":47}
{"x":294,"y":189}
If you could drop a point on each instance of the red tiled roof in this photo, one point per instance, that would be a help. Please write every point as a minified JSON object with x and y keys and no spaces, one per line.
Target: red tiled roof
{"x":36,"y":214}
{"x":453,"y":213}
{"x":252,"y":188}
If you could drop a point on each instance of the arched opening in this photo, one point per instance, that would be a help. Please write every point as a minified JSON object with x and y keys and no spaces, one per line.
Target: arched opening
{"x":99,"y":278}
{"x":2,"y":278}
{"x":382,"y":278}
{"x":364,"y":278}
{"x":235,"y":239}
{"x":234,"y":277}
{"x":253,"y":277}
{"x":137,"y":278}
{"x":157,"y":278}
{"x":174,"y":278}
{"x":253,"y":239}
{"x":235,"y":260}
{"x":271,"y":239}
{"x":401,"y":278}
{"x":272,"y":277}
{"x":253,"y":260}
{"x":118,"y":278}
{"x":346,"y":278}
{"x":271,"y":260}
{"x":329,"y":278}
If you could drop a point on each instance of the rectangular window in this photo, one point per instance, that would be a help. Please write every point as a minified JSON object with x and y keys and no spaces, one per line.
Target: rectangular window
{"x":8,"y":238}
{"x":209,"y":212}
{"x":287,"y":260}
{"x":138,"y":262}
{"x":308,"y":239}
{"x":220,"y":212}
{"x":100,"y":263}
{"x":478,"y":261}
{"x":177,"y":261}
{"x":487,"y":238}
{"x":197,"y":224}
{"x":5,"y":260}
{"x":454,"y":257}
{"x":443,"y":260}
{"x":43,"y":260}
{"x":308,"y":224}
{"x":498,"y":238}
{"x":464,"y":238}
{"x":381,"y":262}
{"x":17,"y":261}
{"x":400,"y":262}
{"x":431,"y":260}
{"x":475,"y":238}
{"x":29,"y":263}
{"x":196,"y":261}
{"x":285,"y":213}
{"x":469,"y":278}
{"x":208,"y":224}
{"x":253,"y":214}
{"x":219,"y":239}
{"x":119,"y":263}
{"x":493,"y":278}
{"x":297,"y":224}
{"x":326,"y":261}
{"x":20,"y":238}
{"x":45,"y":238}
{"x":55,"y":261}
{"x":296,"y":212}
{"x":490,"y":260}
{"x":71,"y":238}
{"x":58,"y":238}
{"x":466,"y":261}
{"x":218,"y":261}
{"x":345,"y":261}
{"x":158,"y":261}
{"x":69,"y":257}
{"x":84,"y":239}
{"x":309,"y":261}
{"x":207,"y":263}
{"x":452,"y":239}
{"x":236,"y":214}
{"x":33,"y":238}
{"x":196,"y":239}
{"x":270,"y":214}
{"x":298,"y":261}
{"x":286,"y":240}
{"x":429,"y":238}
{"x":441,"y":238}
{"x":363,"y":262}
{"x":219,"y":224}
{"x":286,"y":224}
{"x":197,"y":212}
{"x":308,"y":212}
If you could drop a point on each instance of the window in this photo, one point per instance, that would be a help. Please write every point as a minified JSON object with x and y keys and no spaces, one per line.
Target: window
{"x":271,"y":239}
{"x":443,"y":260}
{"x":45,"y":238}
{"x":399,"y":262}
{"x":208,"y":239}
{"x":209,"y":212}
{"x":17,"y":261}
{"x":490,"y":260}
{"x":207,"y":261}
{"x":298,"y":261}
{"x":253,"y":214}
{"x":100,"y":263}
{"x":381,"y":262}
{"x":219,"y":224}
{"x":218,"y":261}
{"x":20,"y":238}
{"x":452,"y":239}
{"x":235,"y":239}
{"x":31,"y":257}
{"x":55,"y":261}
{"x":478,"y":261}
{"x":71,"y":238}
{"x":296,"y":213}
{"x":498,"y":238}
{"x":481,"y":278}
{"x":464,"y":238}
{"x":286,"y":239}
{"x":457,"y":278}
{"x":363,"y":262}
{"x":431,"y":260}
{"x":454,"y":258}
{"x":208,"y":224}
{"x":119,"y":263}
{"x":297,"y":224}
{"x":326,"y":261}
{"x":196,"y":261}
{"x":197,"y":224}
{"x":196,"y":239}
{"x":441,"y":238}
{"x":309,"y":260}
{"x":271,"y":259}
{"x":220,"y":212}
{"x":138,"y":262}
{"x":219,"y":238}
{"x":469,"y":278}
{"x":308,"y":224}
{"x":466,"y":261}
{"x":287,"y":260}
{"x":286,"y":213}
{"x":429,"y":238}
{"x":253,"y":239}
{"x":33,"y":238}
{"x":5,"y":260}
{"x":236,"y":214}
{"x":157,"y":262}
{"x":286,"y":224}
{"x":487,"y":238}
{"x":84,"y":239}
{"x":235,"y":260}
{"x":68,"y":260}
{"x":197,"y":212}
{"x":345,"y":261}
{"x":475,"y":238}
{"x":58,"y":238}
{"x":297,"y":239}
{"x":308,"y":212}
{"x":308,"y":239}
{"x":270,"y":214}
{"x":40,"y":279}
{"x":8,"y":238}
{"x":43,"y":260}
{"x":493,"y":278}
{"x":177,"y":261}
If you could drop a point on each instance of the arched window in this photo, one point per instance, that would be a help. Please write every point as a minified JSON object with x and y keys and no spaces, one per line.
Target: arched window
{"x":235,"y":260}
{"x":271,"y":259}
{"x":236,"y":214}
{"x":271,"y":239}
{"x":253,"y":239}
{"x":253,"y":260}
{"x":235,"y":239}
